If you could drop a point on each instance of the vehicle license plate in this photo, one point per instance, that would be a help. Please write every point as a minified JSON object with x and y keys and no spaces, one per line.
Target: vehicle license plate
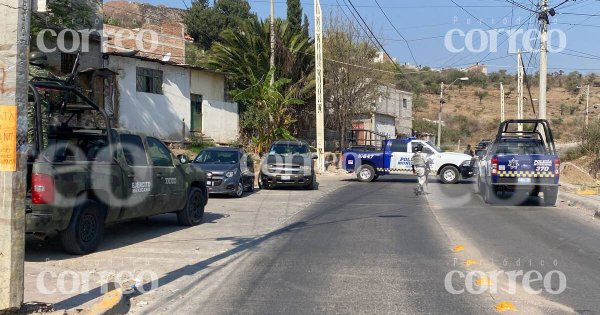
{"x":285,"y":177}
{"x":524,"y":180}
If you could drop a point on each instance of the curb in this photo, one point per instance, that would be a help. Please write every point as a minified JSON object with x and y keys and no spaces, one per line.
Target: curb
{"x":591,"y":207}
{"x":114,"y":302}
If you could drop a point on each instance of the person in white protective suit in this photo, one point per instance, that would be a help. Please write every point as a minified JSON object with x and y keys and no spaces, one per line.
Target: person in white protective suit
{"x":419,"y":167}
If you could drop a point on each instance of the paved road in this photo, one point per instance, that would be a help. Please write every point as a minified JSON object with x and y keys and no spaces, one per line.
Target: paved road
{"x":378,"y":249}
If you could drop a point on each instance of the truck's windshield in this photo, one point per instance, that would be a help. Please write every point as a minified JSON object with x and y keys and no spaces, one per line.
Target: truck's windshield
{"x":217,"y":157}
{"x":434,"y":147}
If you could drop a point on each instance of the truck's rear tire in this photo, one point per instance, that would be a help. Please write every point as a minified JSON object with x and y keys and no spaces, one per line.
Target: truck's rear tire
{"x":366,"y":173}
{"x":86,"y":229}
{"x":193,"y":212}
{"x":449,"y":175}
{"x":550,"y":196}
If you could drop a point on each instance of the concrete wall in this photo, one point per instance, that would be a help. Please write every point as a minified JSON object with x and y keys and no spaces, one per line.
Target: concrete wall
{"x":392,"y":102}
{"x":404,"y":123}
{"x":220,"y":121}
{"x":208,"y":84}
{"x":386,"y":125}
{"x":154,"y":114}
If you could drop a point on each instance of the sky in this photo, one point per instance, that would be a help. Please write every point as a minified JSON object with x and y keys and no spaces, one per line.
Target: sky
{"x":457,"y":33}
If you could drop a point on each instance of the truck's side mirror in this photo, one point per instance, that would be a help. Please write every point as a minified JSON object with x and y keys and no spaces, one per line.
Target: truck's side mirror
{"x":183,"y":159}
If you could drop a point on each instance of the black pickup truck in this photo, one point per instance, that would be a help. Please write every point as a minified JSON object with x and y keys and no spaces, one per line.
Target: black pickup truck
{"x":81,"y":178}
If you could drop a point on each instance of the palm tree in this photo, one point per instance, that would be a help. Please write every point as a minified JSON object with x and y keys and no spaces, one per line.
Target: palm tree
{"x":270,"y":115}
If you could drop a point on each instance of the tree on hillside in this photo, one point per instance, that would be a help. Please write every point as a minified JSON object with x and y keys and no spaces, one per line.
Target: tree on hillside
{"x":481,"y":94}
{"x":572,"y":82}
{"x":351,"y":84}
{"x":294,"y":15}
{"x":204,"y":22}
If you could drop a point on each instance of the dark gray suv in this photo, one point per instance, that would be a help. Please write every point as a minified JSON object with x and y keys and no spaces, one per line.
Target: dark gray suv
{"x":228,"y":170}
{"x":288,"y":163}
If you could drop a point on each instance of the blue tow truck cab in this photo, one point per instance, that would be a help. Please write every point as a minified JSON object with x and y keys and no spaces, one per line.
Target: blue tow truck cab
{"x":370,"y":158}
{"x":521,"y":160}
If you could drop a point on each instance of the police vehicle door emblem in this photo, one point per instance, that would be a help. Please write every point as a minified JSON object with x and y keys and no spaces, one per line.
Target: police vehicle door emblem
{"x":513,"y":164}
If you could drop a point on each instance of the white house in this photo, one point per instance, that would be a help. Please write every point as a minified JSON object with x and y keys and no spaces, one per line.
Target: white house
{"x":170,"y":101}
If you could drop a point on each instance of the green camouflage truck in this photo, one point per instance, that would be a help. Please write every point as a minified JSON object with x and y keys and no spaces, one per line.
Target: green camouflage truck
{"x":86,"y":177}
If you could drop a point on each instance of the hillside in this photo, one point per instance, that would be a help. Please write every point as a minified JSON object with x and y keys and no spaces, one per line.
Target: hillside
{"x":135,"y":14}
{"x":471,"y":121}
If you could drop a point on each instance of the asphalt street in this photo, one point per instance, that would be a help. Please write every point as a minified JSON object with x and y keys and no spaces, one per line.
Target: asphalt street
{"x":376,"y":248}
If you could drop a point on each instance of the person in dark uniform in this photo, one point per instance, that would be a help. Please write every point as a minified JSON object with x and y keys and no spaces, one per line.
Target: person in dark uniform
{"x":38,"y":68}
{"x":469,"y":151}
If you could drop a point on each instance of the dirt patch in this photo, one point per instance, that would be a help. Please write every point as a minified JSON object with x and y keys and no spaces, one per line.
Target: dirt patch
{"x":577,"y":172}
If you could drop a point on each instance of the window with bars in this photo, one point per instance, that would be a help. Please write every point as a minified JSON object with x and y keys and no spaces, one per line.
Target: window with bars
{"x":149,"y":80}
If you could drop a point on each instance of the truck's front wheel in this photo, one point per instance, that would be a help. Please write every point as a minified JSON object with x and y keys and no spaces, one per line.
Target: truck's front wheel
{"x":449,"y":175}
{"x":366,"y":174}
{"x":86,"y":229}
{"x":193,"y":212}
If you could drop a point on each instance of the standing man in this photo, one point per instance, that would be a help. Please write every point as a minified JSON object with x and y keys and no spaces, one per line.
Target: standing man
{"x":469,"y":151}
{"x":419,"y":167}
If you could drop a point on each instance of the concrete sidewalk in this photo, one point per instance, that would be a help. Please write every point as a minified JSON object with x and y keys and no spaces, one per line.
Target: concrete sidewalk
{"x":589,"y":203}
{"x":141,"y":251}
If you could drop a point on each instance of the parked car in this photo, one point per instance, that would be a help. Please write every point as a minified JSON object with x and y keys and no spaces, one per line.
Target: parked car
{"x":228,"y":170}
{"x":288,"y":163}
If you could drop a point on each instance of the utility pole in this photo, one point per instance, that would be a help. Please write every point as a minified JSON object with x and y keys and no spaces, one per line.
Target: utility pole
{"x":520,"y":74}
{"x":543,"y":58}
{"x":319,"y":112}
{"x":14,"y":42}
{"x":272,"y":30}
{"x":501,"y":102}
{"x":439,"y":134}
{"x":587,"y":107}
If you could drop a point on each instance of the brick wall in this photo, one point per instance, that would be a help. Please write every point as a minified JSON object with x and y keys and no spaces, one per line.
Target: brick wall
{"x":153,"y":41}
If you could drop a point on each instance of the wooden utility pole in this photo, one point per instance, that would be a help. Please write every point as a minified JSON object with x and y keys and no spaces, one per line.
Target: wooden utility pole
{"x":272,"y":52}
{"x":520,"y":74}
{"x":501,"y":102}
{"x":543,"y":58}
{"x":14,"y":42}
{"x":319,"y":113}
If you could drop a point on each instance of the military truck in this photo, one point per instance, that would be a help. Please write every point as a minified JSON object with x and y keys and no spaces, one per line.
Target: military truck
{"x":89,"y":174}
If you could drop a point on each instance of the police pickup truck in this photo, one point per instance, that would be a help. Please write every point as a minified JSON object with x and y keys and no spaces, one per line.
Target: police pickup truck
{"x":521,"y":161}
{"x":394,"y":156}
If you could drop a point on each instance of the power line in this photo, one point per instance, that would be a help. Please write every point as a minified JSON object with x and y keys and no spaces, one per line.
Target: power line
{"x":374,"y":37}
{"x":397,"y":31}
{"x":519,"y":5}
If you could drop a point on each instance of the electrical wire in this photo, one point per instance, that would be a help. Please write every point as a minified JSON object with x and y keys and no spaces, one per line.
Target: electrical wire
{"x":397,"y":31}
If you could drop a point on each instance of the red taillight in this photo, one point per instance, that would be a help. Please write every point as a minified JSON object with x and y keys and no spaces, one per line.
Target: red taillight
{"x":42,"y":189}
{"x":494,"y":166}
{"x":556,"y":166}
